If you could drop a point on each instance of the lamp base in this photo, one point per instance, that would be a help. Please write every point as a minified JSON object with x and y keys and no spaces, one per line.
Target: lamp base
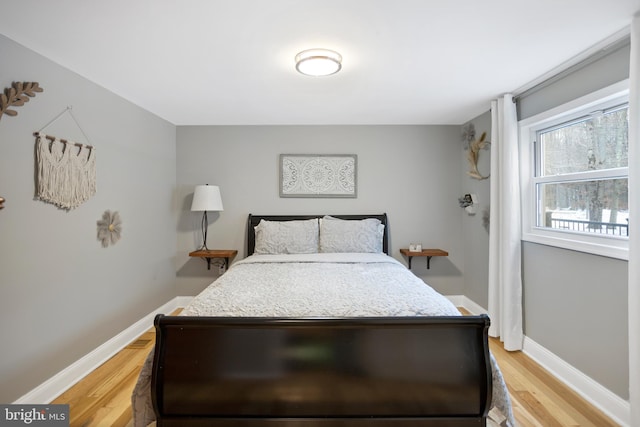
{"x":204,"y":225}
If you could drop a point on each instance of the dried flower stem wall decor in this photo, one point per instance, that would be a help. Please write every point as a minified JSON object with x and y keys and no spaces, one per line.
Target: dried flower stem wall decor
{"x":472,"y":156}
{"x":486,"y":218}
{"x":474,"y":146}
{"x":16,"y":96}
{"x":109,"y":228}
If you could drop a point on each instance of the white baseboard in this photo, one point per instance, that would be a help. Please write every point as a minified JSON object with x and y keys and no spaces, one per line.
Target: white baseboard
{"x":473,"y":307}
{"x":608,"y":402}
{"x":466,"y":303}
{"x":456,"y":300}
{"x":63,"y":380}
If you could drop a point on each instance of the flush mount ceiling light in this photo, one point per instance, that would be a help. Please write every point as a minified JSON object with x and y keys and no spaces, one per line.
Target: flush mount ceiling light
{"x":318,"y":62}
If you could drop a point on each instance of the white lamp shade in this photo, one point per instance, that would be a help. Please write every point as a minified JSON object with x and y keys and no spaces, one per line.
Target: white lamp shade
{"x":206,"y":198}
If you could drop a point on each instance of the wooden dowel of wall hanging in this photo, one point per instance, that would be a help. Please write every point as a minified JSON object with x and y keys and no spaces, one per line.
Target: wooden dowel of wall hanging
{"x":53,"y":138}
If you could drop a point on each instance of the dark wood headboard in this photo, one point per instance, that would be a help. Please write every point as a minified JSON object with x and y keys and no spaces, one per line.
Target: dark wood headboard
{"x":255,"y":220}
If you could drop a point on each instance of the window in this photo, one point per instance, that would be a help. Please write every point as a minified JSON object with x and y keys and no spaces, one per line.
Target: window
{"x":575,"y":175}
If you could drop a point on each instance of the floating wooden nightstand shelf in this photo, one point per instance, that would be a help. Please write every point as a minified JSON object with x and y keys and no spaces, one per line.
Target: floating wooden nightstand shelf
{"x":209,"y":254}
{"x":424,"y":253}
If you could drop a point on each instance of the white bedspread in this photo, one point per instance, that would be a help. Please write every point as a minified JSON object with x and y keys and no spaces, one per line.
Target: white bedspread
{"x":340,"y":285}
{"x":316,"y":285}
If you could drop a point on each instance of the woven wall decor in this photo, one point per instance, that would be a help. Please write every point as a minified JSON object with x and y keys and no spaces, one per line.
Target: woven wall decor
{"x":66,"y":171}
{"x":16,"y":96}
{"x":109,"y":228}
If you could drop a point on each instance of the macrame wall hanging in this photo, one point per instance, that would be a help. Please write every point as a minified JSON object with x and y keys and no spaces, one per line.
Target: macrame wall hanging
{"x":66,"y":170}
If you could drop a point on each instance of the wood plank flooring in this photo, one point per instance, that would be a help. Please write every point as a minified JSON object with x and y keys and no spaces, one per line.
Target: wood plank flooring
{"x":103,"y":398}
{"x":539,"y":400}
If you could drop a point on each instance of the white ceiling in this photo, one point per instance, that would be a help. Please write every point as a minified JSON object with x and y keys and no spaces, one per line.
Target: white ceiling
{"x":228,"y":62}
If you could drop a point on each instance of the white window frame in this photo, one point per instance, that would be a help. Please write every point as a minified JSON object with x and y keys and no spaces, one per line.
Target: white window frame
{"x":605,"y":245}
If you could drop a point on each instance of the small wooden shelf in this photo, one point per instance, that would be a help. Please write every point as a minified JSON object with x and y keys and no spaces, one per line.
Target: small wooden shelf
{"x":209,"y":254}
{"x":428,"y":253}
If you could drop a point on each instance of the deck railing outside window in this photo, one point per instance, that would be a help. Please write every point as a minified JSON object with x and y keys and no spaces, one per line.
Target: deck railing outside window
{"x":589,"y":226}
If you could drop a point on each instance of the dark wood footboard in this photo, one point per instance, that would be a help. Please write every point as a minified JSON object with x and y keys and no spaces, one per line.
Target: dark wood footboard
{"x":374,"y":372}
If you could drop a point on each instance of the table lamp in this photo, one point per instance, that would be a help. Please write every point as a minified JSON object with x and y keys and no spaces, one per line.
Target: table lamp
{"x":206,"y":198}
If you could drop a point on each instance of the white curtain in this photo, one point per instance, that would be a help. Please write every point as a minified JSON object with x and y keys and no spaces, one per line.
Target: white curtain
{"x":634,"y":221}
{"x":505,"y":280}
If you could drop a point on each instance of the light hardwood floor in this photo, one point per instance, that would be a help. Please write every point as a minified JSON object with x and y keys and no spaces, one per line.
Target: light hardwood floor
{"x":539,"y":400}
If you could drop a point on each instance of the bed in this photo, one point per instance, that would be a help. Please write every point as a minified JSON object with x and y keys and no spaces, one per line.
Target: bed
{"x":319,"y":327}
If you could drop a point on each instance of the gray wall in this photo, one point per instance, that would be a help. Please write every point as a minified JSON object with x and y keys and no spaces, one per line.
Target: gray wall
{"x":475,"y":236}
{"x":576,"y":307}
{"x":603,"y":69}
{"x":575,"y":304}
{"x":405,"y":171}
{"x":61,"y":293}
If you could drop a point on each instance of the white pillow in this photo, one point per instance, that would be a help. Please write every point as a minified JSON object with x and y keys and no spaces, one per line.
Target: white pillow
{"x":338,"y":235}
{"x":286,"y":237}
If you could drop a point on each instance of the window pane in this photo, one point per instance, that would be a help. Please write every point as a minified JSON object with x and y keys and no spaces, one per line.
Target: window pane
{"x":598,"y":142}
{"x":587,"y":206}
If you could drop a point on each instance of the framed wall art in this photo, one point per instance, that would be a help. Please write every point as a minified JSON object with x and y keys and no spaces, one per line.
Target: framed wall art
{"x":318,"y":175}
